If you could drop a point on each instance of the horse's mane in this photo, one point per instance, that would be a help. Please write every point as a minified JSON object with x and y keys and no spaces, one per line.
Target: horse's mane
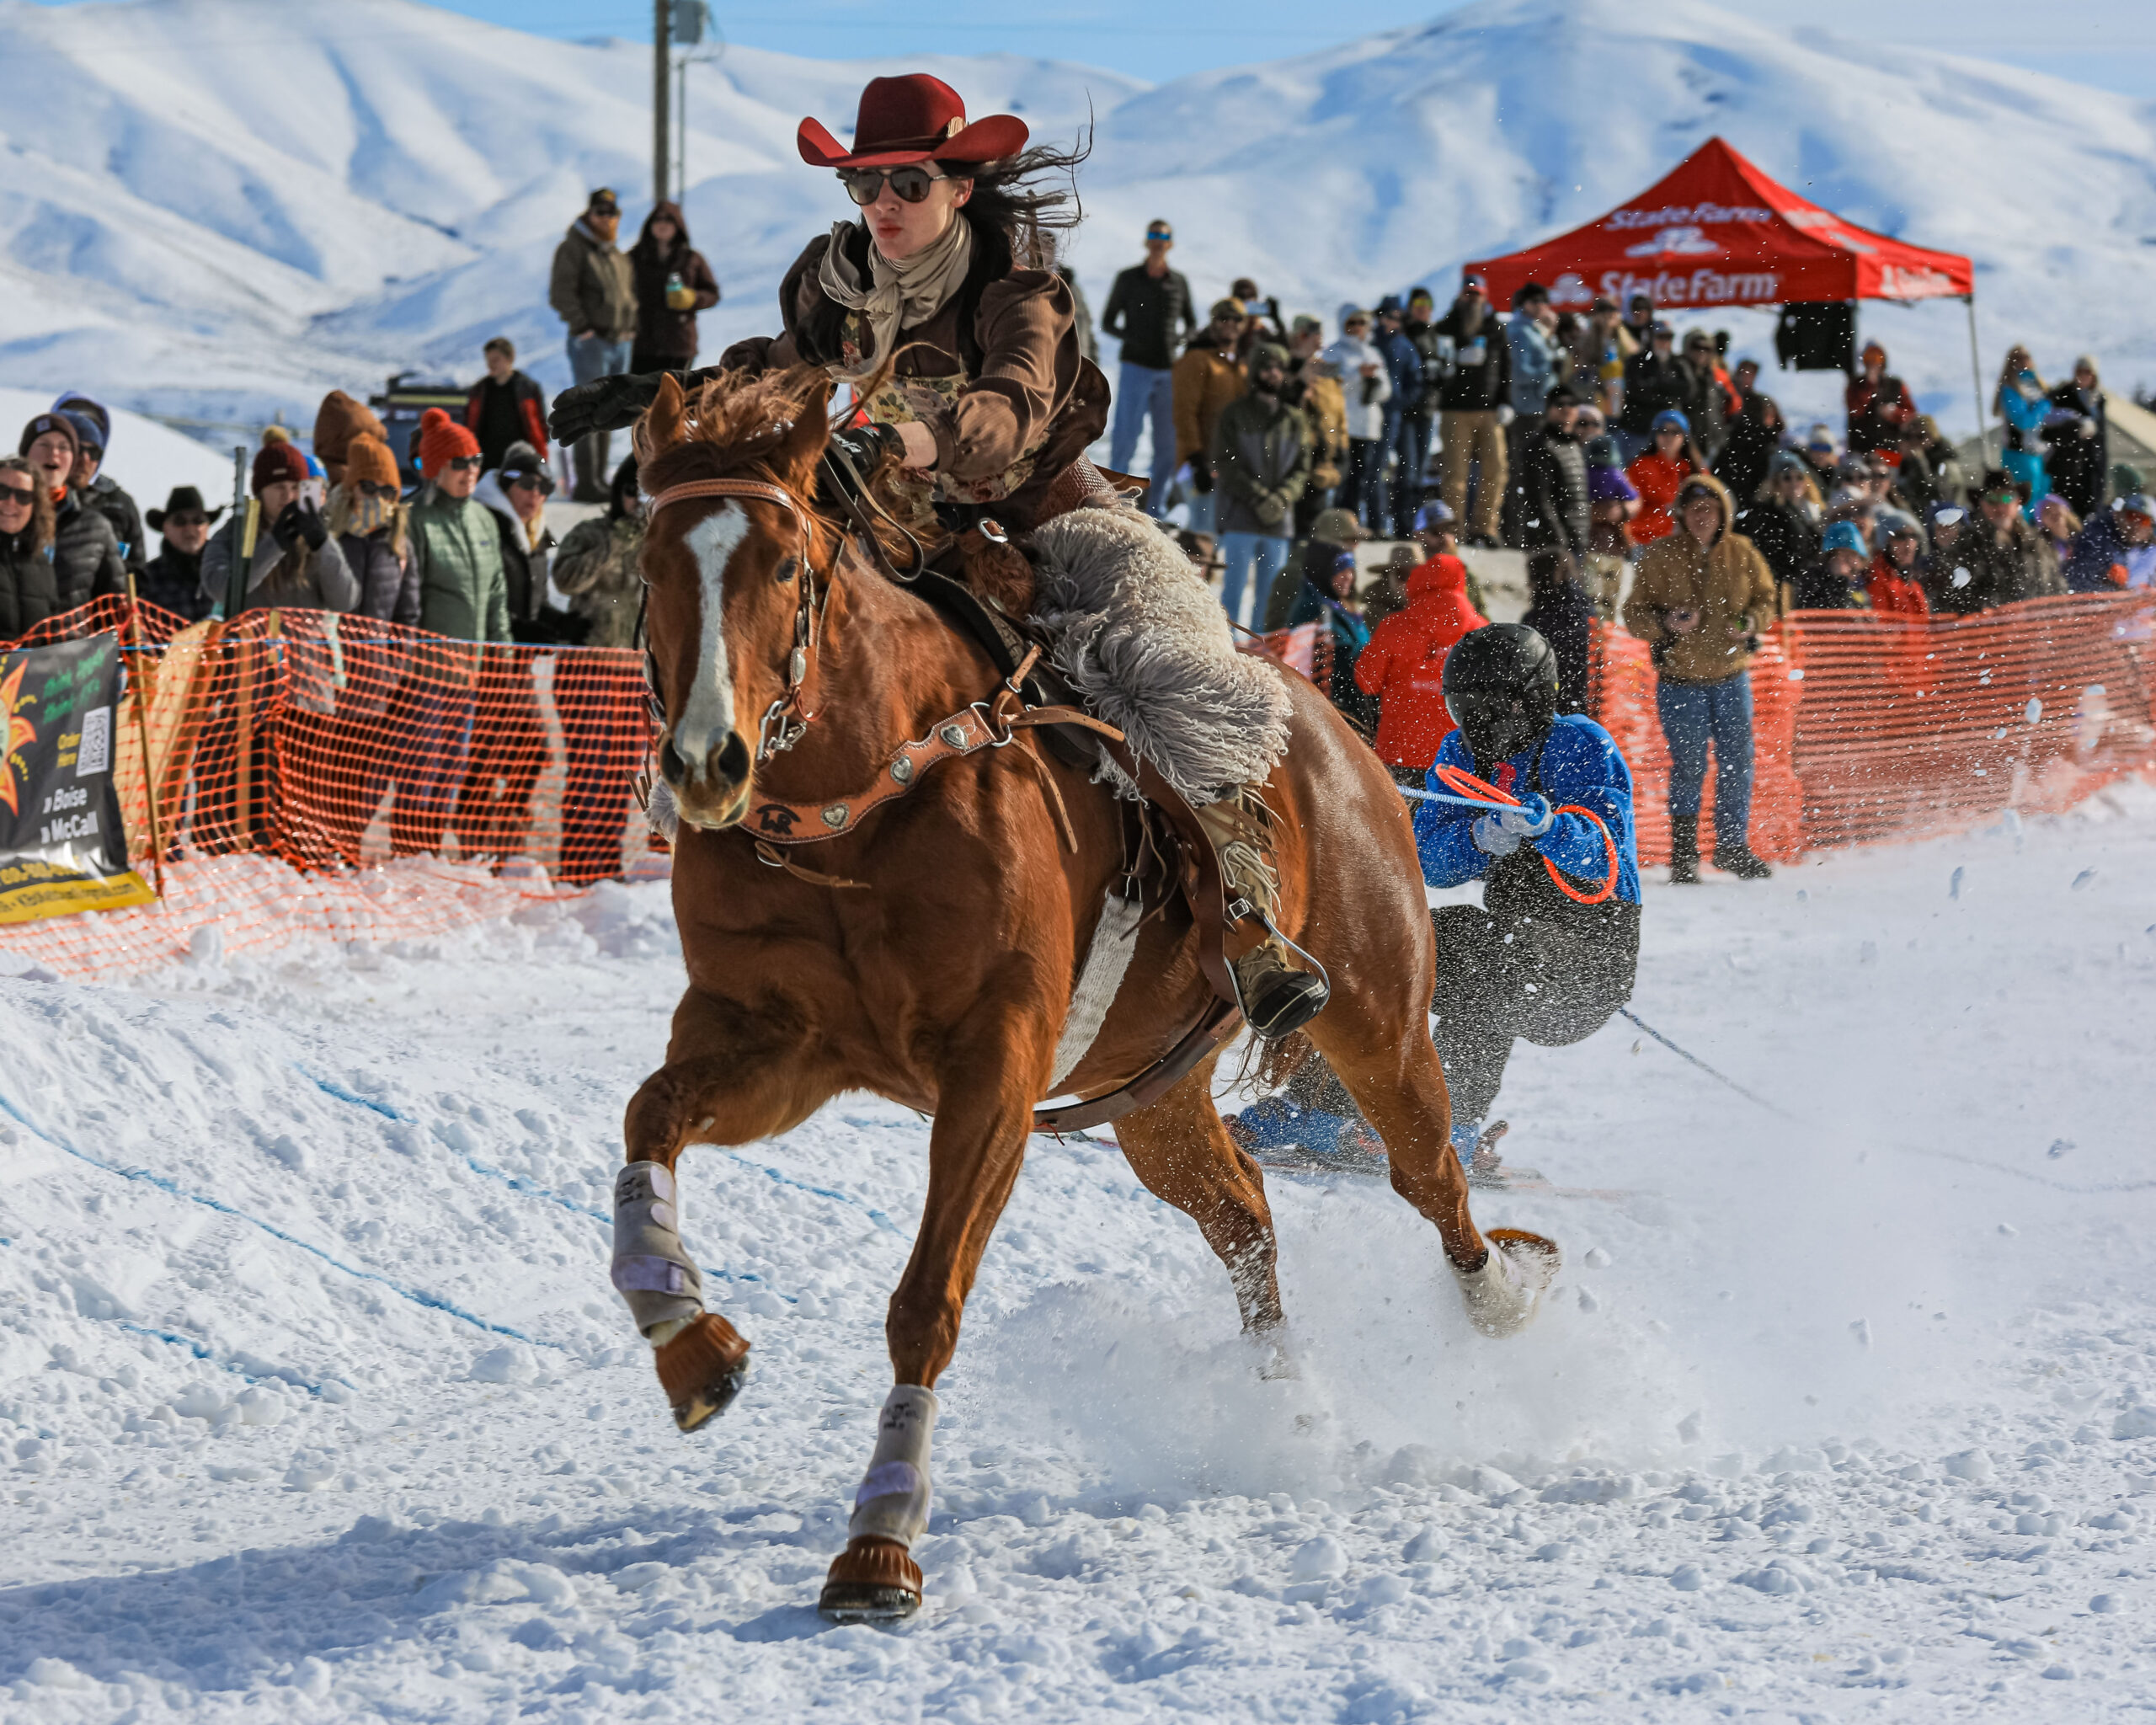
{"x":769,"y":425}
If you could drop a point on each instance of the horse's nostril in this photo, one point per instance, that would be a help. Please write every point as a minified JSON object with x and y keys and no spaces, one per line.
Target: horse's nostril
{"x":671,"y":767}
{"x":731,"y":764}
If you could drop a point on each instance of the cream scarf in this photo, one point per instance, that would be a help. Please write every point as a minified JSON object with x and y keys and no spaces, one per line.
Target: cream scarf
{"x":908,"y":292}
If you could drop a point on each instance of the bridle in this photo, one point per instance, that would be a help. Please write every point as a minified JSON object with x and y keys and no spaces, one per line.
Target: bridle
{"x":786,"y":720}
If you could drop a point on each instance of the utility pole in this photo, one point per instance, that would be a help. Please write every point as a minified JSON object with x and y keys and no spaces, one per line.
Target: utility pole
{"x":662,"y":82}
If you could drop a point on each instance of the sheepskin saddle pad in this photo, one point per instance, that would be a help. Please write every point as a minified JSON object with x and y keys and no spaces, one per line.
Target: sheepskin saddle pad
{"x":1145,"y":646}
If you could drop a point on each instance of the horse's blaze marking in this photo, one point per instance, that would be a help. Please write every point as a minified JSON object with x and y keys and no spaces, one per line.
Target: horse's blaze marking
{"x":707,"y":714}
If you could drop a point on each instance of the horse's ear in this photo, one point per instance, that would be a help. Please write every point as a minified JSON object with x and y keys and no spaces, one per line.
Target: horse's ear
{"x":664,"y":425}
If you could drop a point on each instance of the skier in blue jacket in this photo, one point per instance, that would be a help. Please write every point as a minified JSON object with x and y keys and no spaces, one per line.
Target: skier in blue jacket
{"x":1548,"y":961}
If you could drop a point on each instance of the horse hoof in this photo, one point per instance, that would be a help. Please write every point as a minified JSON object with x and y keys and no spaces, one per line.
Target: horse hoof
{"x":1504,"y":1296}
{"x":872,"y":1581}
{"x":701,"y":1370}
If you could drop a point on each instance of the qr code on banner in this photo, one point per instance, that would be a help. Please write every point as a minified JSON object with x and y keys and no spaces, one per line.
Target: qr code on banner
{"x":96,"y":752}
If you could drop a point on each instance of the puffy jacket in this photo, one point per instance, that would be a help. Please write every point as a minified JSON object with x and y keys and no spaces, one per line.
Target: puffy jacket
{"x":1784,"y":535}
{"x":1564,"y":616}
{"x":663,"y":331}
{"x":2101,"y":546}
{"x":1577,"y":762}
{"x":303,"y":579}
{"x":1481,"y":363}
{"x":389,"y":585}
{"x":1555,"y":511}
{"x":457,"y":556}
{"x":1655,"y":477}
{"x":30,"y":586}
{"x":2024,"y":567}
{"x":1366,"y":395}
{"x":592,"y":288}
{"x":1261,"y":459}
{"x":1894,"y":592}
{"x":596,"y":567}
{"x":1206,"y":379}
{"x":86,"y":559}
{"x":1725,"y":581}
{"x":1404,"y":665}
{"x":117,"y":506}
{"x":1150,"y":315}
{"x":523,"y":561}
{"x":1539,"y":363}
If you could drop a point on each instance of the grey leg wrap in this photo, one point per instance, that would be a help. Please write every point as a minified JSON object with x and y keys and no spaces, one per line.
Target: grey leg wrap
{"x":894,"y":1499}
{"x":652,"y":1269}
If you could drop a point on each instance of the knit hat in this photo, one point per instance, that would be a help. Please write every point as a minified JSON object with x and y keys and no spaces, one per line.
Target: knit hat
{"x":1268,"y":353}
{"x":367,"y":461}
{"x":1602,"y":452}
{"x":279,"y":460}
{"x":88,"y":438}
{"x":1434,"y":514}
{"x":64,"y":424}
{"x":1337,"y":526}
{"x":1670,"y":416}
{"x":442,"y":440}
{"x":337,"y":422}
{"x":1894,"y":525}
{"x":1609,"y":485}
{"x":1785,"y":461}
{"x":1844,"y":536}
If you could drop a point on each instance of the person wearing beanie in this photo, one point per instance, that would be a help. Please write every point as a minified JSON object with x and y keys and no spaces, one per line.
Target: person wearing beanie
{"x":372,"y":527}
{"x":1836,"y":581}
{"x":337,"y":422}
{"x":173,"y":579}
{"x":100,"y":491}
{"x":593,"y":289}
{"x":506,"y":407}
{"x":1554,"y":510}
{"x":516,"y":492}
{"x":297,"y":566}
{"x":1895,"y":587}
{"x":1206,"y":378}
{"x":1659,"y":473}
{"x":456,"y":548}
{"x":85,"y":551}
{"x":1262,"y":456}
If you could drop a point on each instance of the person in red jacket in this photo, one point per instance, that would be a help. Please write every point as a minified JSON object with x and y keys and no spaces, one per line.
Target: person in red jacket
{"x":1893,"y":589}
{"x":1404,"y":665}
{"x":1879,"y":403}
{"x":1658,"y":473}
{"x":504,"y":407}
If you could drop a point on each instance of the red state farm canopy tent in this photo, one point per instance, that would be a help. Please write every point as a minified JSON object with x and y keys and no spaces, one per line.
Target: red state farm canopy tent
{"x":1716,"y":232}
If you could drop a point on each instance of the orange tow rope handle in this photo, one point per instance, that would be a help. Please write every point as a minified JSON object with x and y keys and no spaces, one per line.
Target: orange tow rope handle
{"x":1467,"y":784}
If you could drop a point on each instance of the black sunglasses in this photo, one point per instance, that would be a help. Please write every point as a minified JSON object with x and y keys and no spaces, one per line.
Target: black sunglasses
{"x":864,"y":185}
{"x":371,"y":488}
{"x":466,"y":463}
{"x":543,"y":483}
{"x":25,"y":495}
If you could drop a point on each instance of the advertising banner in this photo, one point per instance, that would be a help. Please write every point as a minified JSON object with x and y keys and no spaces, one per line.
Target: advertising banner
{"x":62,"y":845}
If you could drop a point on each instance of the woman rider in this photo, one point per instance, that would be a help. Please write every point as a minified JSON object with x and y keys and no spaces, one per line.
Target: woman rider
{"x":991,"y":400}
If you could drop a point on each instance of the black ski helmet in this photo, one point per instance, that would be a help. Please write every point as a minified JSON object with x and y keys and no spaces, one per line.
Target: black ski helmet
{"x":1501,"y":689}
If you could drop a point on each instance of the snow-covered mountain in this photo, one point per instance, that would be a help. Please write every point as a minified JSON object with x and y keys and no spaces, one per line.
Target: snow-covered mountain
{"x":208,"y":211}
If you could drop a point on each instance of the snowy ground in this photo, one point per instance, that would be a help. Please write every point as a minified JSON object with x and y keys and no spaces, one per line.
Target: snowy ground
{"x":314,"y":1401}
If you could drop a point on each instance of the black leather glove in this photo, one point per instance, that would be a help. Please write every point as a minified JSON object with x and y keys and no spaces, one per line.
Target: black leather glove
{"x":1201,"y":475}
{"x":607,"y":404}
{"x":299,"y":522}
{"x":865,"y":445}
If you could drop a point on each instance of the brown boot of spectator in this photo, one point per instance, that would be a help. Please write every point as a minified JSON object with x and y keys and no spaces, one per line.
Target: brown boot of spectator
{"x":1684,"y":850}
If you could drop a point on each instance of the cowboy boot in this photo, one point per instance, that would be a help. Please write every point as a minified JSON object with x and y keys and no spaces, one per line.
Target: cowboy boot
{"x":1277,"y":998}
{"x":1684,"y":850}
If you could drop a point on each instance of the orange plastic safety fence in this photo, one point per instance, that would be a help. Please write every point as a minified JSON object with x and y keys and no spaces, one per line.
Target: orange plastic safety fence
{"x":336,"y":745}
{"x":1869,"y":728}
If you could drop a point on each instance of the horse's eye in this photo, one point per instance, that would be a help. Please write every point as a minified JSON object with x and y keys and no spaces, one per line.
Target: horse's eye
{"x":787,"y":566}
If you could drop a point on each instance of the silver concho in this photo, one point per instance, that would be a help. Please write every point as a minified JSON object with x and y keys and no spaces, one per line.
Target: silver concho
{"x":954,"y":734}
{"x":902,"y":769}
{"x":834,"y":816}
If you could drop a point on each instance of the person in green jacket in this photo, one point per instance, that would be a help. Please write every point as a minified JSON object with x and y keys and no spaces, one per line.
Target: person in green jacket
{"x":457,"y":556}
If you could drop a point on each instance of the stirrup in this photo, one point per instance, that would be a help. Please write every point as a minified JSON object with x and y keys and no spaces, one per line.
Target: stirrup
{"x":1276,"y":999}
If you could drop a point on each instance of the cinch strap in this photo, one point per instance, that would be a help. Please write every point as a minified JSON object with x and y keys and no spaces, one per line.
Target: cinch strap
{"x":653,"y":1271}
{"x":894,"y":1499}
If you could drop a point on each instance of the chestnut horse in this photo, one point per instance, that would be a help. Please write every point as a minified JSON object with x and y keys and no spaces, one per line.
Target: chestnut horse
{"x":929,"y":955}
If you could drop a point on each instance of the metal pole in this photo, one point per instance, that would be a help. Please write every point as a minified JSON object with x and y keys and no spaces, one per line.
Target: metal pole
{"x":1976,"y":376}
{"x":661,"y":90}
{"x":681,"y":128}
{"x":235,"y":576}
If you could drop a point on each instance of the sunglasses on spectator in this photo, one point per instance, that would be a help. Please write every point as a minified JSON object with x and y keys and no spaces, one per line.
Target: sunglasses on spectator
{"x":22,"y":496}
{"x":543,"y":483}
{"x":864,"y":185}
{"x":466,"y":463}
{"x":1152,"y":233}
{"x":369,"y":487}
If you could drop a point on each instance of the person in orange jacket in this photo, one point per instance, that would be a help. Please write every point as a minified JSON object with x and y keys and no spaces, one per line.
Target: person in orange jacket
{"x":1658,"y":473}
{"x":1404,"y":665}
{"x":1893,"y":589}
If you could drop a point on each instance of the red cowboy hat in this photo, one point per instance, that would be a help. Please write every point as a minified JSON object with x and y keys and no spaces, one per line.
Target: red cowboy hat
{"x":913,"y":119}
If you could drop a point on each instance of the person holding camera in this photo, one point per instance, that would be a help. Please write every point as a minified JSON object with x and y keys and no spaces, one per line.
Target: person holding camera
{"x":297,"y":565}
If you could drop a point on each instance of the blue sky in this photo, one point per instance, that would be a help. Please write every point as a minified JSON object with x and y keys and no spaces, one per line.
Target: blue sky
{"x":2109,"y":43}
